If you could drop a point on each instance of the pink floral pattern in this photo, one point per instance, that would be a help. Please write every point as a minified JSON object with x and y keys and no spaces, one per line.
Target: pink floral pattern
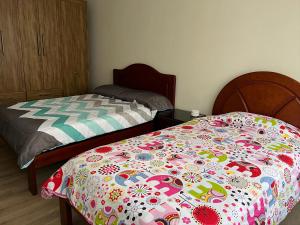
{"x":236,"y":168}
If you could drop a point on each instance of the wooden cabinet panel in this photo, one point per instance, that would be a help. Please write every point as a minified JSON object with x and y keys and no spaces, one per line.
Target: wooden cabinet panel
{"x":11,"y":70}
{"x":31,"y":44}
{"x":42,"y":49}
{"x":10,"y":98}
{"x":45,"y":94}
{"x":49,"y":16}
{"x":40,"y":21}
{"x":74,"y":39}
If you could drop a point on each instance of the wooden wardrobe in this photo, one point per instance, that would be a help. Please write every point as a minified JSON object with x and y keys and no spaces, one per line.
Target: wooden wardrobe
{"x":43,"y":49}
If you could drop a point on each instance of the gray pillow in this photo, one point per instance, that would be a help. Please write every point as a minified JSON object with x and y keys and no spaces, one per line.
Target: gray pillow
{"x":110,"y":90}
{"x":150,"y":99}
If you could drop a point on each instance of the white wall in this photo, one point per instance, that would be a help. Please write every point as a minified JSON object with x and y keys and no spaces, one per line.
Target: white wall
{"x":206,"y":43}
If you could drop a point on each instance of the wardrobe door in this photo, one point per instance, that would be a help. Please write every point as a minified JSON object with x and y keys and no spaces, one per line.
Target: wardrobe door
{"x":74,"y":37}
{"x":39,"y":20}
{"x":31,"y":45}
{"x":12,"y":87}
{"x":49,"y":17}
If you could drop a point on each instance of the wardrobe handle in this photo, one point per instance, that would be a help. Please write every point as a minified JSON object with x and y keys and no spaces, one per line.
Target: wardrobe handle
{"x":2,"y":45}
{"x":43,"y":45}
{"x":38,"y":44}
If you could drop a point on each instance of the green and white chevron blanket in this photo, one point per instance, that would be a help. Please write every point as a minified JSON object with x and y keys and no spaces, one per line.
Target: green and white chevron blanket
{"x":76,"y":118}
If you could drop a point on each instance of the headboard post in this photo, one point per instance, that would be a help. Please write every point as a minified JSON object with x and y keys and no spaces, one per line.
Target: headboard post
{"x":143,"y":77}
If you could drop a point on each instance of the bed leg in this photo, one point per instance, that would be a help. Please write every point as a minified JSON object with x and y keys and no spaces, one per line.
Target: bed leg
{"x":65,"y":212}
{"x":32,"y":183}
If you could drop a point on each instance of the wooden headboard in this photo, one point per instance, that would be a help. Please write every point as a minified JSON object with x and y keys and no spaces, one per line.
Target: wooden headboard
{"x":144,"y":77}
{"x":264,"y":93}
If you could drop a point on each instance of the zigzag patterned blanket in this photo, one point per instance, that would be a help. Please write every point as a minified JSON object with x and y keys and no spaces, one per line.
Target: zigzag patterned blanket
{"x":76,"y":118}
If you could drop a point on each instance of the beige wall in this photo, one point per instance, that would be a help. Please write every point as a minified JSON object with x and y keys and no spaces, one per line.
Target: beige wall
{"x":205,"y":43}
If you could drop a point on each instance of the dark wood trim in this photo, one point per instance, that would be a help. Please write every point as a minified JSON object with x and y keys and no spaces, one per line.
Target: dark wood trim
{"x":65,"y":212}
{"x":32,"y":180}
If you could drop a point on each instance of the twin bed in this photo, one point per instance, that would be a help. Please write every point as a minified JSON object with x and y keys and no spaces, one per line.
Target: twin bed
{"x":48,"y":131}
{"x":239,"y":166}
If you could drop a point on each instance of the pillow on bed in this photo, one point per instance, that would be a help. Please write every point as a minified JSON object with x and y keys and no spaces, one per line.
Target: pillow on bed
{"x":152,"y":100}
{"x":110,"y":90}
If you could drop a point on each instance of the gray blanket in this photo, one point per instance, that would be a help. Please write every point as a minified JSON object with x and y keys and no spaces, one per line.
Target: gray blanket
{"x":22,"y":135}
{"x":31,"y":128}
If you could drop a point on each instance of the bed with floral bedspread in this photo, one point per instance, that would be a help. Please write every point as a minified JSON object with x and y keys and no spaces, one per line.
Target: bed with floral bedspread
{"x":236,"y":168}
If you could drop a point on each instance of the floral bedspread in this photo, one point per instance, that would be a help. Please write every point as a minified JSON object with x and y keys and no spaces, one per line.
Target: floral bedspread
{"x":236,"y":168}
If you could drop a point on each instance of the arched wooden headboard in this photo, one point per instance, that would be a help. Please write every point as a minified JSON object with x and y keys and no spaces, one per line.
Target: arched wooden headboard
{"x":143,"y":77}
{"x":264,"y":93}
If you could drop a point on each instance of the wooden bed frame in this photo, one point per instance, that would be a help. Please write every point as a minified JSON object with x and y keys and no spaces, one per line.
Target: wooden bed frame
{"x":136,"y":76}
{"x":265,"y":93}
